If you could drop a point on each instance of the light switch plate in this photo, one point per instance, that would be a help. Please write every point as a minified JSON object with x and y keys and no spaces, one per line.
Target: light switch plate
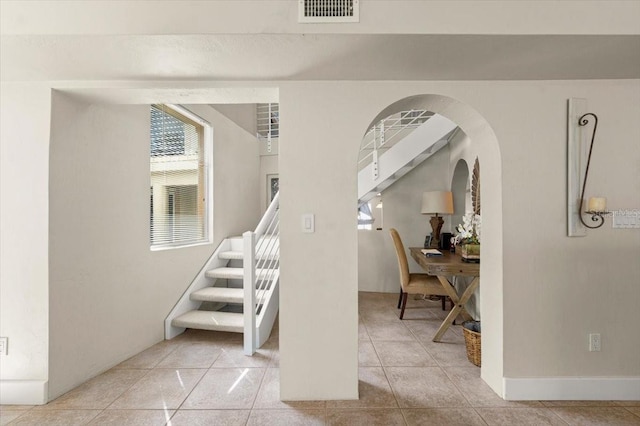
{"x":4,"y":341}
{"x":626,"y":219}
{"x":308,"y":223}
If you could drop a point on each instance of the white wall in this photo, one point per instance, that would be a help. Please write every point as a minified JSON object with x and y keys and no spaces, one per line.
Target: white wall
{"x":109,"y":293}
{"x":24,"y":207}
{"x":551,"y":290}
{"x":244,"y":115}
{"x":377,"y":262}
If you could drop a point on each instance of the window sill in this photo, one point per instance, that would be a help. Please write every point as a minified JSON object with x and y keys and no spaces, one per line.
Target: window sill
{"x":181,"y":246}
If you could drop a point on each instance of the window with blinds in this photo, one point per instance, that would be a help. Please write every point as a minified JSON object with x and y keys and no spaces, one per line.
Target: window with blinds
{"x":178,"y":168}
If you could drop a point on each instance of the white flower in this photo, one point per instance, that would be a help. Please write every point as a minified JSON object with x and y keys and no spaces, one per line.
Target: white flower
{"x":469,"y":229}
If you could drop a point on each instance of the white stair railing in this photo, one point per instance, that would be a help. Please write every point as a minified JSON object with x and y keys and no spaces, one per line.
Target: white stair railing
{"x":387,"y":131}
{"x":261,"y":271}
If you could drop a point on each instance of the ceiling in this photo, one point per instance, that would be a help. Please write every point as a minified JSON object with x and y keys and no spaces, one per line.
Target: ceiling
{"x":268,"y":57}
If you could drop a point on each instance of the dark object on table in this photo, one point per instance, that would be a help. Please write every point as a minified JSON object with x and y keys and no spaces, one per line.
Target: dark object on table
{"x":445,"y":241}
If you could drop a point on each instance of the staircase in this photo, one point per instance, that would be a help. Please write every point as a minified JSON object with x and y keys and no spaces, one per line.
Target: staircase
{"x":396,"y":145}
{"x":237,"y":289}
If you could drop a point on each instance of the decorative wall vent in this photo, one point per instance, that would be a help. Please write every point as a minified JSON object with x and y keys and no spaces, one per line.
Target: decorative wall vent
{"x":328,"y":11}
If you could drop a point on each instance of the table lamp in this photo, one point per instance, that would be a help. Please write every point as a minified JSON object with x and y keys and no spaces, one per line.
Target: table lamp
{"x":436,"y":203}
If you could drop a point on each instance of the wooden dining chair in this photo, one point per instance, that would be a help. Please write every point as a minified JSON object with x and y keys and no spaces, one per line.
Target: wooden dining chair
{"x":411,"y":283}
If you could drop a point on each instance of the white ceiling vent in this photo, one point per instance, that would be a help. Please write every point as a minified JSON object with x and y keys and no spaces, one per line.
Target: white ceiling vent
{"x":328,"y":11}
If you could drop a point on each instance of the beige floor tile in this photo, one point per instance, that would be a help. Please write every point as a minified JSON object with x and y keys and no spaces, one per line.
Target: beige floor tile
{"x":133,"y":417}
{"x":8,"y":415}
{"x":191,"y":355}
{"x":403,"y":354}
{"x":580,"y":404}
{"x":99,"y":392}
{"x":628,"y":403}
{"x":425,"y":330}
{"x":365,"y":417}
{"x":269,"y":395}
{"x":634,"y":410}
{"x":377,"y":315}
{"x":597,"y":416}
{"x":447,"y":353}
{"x":374,"y":391}
{"x":442,"y":417}
{"x":286,"y":418}
{"x":151,"y":357}
{"x":275,"y":357}
{"x":477,"y":392}
{"x":391,"y":331}
{"x":15,"y":407}
{"x":363,"y":334}
{"x":210,"y":417}
{"x":426,"y":387}
{"x":274,"y":339}
{"x":419,"y":312}
{"x":233,"y":356}
{"x":367,"y":356}
{"x":521,"y":416}
{"x":55,"y":417}
{"x":226,"y":388}
{"x":160,"y":389}
{"x":378,"y":300}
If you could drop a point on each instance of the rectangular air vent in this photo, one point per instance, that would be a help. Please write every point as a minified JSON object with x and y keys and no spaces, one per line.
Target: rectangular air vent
{"x":328,"y":11}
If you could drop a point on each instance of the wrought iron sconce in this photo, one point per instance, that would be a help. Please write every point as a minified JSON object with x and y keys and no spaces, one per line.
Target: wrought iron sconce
{"x":597,"y":206}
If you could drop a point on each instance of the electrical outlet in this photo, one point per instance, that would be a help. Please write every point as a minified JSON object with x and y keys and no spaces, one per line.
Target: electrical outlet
{"x":4,"y":342}
{"x":595,"y":343}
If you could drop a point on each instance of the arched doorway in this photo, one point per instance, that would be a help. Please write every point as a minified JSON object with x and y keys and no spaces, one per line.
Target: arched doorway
{"x":476,"y":140}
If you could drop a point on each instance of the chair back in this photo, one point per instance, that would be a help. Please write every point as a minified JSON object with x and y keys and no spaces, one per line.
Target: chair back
{"x":403,"y":263}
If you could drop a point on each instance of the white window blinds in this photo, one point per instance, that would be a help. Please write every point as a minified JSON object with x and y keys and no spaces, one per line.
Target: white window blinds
{"x":178,"y":178}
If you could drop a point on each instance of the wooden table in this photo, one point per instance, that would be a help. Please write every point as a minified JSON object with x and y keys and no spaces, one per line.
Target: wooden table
{"x":446,"y":265}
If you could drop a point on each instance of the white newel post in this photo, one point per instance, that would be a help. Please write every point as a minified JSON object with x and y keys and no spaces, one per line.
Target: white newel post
{"x":249,"y":284}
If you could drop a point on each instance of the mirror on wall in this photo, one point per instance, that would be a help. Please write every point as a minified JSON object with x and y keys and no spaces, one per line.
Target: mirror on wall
{"x":465,"y":185}
{"x":461,"y":189}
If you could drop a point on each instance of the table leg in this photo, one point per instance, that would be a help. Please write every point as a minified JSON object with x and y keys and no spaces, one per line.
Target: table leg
{"x":458,"y":309}
{"x":451,"y":292}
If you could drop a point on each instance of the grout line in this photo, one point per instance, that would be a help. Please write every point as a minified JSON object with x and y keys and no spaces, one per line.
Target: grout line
{"x":628,"y":409}
{"x":480,"y":415}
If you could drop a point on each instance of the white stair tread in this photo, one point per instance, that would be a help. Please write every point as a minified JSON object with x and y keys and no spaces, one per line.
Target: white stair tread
{"x":219,"y":294}
{"x":237,"y":273}
{"x":231,"y":255}
{"x":211,"y":320}
{"x":238,"y":255}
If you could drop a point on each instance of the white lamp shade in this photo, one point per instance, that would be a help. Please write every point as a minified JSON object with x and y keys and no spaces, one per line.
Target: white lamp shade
{"x":437,"y":202}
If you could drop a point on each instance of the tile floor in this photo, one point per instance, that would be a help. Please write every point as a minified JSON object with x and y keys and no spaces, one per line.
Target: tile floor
{"x":202,"y":378}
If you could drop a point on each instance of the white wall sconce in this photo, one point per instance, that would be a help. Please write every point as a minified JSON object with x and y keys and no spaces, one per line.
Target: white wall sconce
{"x":577,"y":173}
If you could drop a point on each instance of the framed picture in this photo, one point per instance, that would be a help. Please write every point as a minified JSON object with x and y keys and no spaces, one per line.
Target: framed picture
{"x":273,"y":185}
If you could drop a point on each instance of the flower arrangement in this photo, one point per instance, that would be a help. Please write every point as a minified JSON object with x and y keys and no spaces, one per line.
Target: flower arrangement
{"x":468,"y":230}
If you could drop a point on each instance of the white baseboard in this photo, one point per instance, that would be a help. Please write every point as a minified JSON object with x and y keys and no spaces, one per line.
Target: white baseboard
{"x":572,"y":388}
{"x":23,"y":392}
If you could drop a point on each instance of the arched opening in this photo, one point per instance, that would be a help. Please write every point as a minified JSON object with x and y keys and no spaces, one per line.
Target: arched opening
{"x":445,"y":170}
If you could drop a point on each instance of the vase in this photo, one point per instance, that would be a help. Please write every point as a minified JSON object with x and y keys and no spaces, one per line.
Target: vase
{"x":470,"y":252}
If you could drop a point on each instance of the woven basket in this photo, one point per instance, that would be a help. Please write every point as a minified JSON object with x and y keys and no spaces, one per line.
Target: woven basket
{"x":473,"y":343}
